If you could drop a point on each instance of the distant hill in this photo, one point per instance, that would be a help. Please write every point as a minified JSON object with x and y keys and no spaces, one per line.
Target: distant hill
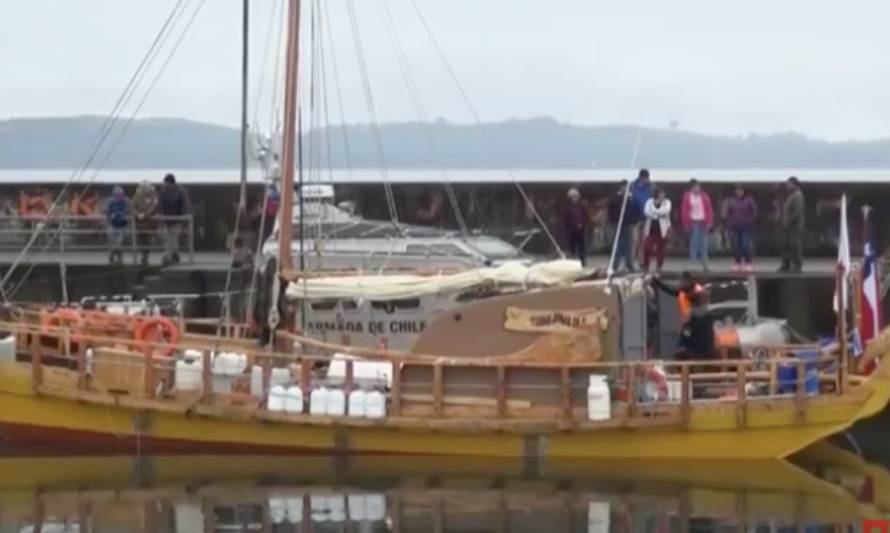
{"x":533,"y":143}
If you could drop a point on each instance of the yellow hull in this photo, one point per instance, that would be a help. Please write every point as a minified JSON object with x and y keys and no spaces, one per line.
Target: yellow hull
{"x":769,"y":431}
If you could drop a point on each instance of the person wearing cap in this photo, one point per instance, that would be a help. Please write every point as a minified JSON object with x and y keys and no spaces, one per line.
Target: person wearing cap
{"x":793,"y":221}
{"x":173,"y":202}
{"x":576,"y":221}
{"x":117,"y":214}
{"x":697,"y":215}
{"x":145,"y":206}
{"x":740,"y":212}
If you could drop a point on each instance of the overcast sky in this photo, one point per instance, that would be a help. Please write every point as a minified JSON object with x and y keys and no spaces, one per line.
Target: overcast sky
{"x":730,"y":66}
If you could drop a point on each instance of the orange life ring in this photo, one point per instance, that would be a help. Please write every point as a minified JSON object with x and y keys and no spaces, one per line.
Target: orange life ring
{"x":158,"y":330}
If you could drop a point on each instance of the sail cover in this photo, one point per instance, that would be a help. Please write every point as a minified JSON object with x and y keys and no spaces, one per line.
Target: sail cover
{"x":381,"y":287}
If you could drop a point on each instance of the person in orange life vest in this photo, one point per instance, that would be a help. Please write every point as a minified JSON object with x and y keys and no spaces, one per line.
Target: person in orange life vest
{"x":686,"y":293}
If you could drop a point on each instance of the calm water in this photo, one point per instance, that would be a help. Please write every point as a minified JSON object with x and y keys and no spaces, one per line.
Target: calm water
{"x":343,"y":176}
{"x":822,"y":490}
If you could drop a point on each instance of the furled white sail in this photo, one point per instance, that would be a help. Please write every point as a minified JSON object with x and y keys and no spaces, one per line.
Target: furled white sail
{"x":398,"y":286}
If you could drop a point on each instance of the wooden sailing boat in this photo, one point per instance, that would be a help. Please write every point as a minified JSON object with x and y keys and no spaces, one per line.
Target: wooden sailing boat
{"x":534,"y":374}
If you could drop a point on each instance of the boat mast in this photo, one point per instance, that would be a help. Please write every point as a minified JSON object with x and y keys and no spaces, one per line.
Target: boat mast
{"x":286,"y":213}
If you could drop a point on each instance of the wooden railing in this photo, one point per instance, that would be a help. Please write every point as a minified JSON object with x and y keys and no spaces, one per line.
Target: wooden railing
{"x":453,"y":389}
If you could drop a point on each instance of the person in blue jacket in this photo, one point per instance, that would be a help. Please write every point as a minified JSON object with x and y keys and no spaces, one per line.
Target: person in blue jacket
{"x":117,"y":214}
{"x":641,"y":191}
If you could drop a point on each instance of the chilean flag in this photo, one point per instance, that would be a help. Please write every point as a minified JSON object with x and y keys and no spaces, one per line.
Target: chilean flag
{"x":871,"y":312}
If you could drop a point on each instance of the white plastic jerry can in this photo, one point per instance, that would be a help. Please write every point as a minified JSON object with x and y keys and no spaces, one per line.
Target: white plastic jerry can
{"x":358,"y":403}
{"x":277,"y":399}
{"x":336,"y":403}
{"x":293,"y":402}
{"x":375,"y":405}
{"x":318,"y":401}
{"x":599,"y":400}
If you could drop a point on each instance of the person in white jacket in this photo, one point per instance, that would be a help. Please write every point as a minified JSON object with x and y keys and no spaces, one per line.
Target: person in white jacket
{"x":656,"y":229}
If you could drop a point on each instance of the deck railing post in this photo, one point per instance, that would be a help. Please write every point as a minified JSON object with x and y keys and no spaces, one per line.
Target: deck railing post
{"x":191,"y":238}
{"x":773,"y":376}
{"x":267,"y":380}
{"x":438,"y":390}
{"x":565,"y":388}
{"x":306,"y":380}
{"x":81,"y":360}
{"x":36,"y":362}
{"x":396,"y":393}
{"x":741,"y":394}
{"x":149,"y":372}
{"x":134,"y":237}
{"x":630,"y":376}
{"x":685,"y":395}
{"x":206,"y":376}
{"x":501,"y":391}
{"x":800,"y":390}
{"x":348,"y":382}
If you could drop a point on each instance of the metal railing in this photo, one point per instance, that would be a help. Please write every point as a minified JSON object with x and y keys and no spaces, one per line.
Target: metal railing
{"x":91,"y":233}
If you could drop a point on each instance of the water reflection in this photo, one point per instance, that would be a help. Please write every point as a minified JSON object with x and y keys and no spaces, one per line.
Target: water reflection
{"x":825,"y":489}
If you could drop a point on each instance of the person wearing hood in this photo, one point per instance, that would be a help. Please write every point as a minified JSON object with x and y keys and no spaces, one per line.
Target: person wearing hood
{"x":173,"y":202}
{"x":145,"y":206}
{"x":117,"y":214}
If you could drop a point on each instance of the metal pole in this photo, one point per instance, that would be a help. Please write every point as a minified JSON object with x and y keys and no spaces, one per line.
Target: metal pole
{"x":633,"y":164}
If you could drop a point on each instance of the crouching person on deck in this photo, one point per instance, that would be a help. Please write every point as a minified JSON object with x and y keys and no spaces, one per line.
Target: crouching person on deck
{"x":117,"y":213}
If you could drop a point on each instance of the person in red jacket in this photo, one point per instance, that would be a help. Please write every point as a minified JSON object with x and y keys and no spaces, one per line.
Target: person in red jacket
{"x":697,"y":216}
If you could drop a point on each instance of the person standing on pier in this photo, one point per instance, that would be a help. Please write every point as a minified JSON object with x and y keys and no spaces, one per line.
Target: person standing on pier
{"x":641,"y":190}
{"x":741,"y":211}
{"x":697,"y":215}
{"x":656,"y":228}
{"x":793,"y":222}
{"x":173,"y":201}
{"x":117,"y":213}
{"x":145,"y":206}
{"x":576,"y":220}
{"x":623,"y":198}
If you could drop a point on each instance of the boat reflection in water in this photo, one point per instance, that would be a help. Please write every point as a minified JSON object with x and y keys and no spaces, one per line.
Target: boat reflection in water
{"x":825,"y":488}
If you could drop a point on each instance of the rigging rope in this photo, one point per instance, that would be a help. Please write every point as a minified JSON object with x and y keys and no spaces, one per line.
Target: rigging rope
{"x":420,"y":109}
{"x":266,"y":46}
{"x":633,"y":164}
{"x":107,"y":126}
{"x":478,"y":123}
{"x":369,"y":101}
{"x":333,"y":54}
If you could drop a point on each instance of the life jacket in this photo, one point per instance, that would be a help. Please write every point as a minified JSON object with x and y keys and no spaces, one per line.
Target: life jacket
{"x":685,"y":298}
{"x":273,"y":199}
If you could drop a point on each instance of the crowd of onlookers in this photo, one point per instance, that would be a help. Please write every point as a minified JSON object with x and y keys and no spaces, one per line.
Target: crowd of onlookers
{"x":643,"y":220}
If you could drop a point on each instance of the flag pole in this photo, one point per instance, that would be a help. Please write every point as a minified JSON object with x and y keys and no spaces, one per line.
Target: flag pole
{"x":840,"y":275}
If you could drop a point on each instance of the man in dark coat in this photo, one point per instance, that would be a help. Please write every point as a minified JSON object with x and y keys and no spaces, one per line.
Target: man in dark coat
{"x":173,"y":206}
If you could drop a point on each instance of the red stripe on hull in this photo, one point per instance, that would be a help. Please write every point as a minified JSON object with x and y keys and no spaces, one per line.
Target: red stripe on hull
{"x":21,"y":439}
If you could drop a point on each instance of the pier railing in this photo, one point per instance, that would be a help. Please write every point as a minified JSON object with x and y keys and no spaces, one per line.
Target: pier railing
{"x":435,"y":392}
{"x":92,"y":233}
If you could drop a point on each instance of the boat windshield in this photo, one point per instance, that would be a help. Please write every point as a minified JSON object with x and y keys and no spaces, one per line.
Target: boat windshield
{"x":492,"y":247}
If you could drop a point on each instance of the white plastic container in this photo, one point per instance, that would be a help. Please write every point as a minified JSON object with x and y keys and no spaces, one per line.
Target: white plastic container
{"x":358,"y":507}
{"x":294,"y":510}
{"x":277,"y":399}
{"x":293,"y":402}
{"x":319,"y":508}
{"x":188,"y":517}
{"x":599,"y":401}
{"x":278,"y":376}
{"x":192,"y":355}
{"x":375,"y":405}
{"x":7,"y":348}
{"x":598,"y":517}
{"x":367,"y":373}
{"x":336,"y":403}
{"x":675,"y":390}
{"x":277,"y":510}
{"x":358,"y":403}
{"x":229,"y":364}
{"x":318,"y":404}
{"x":375,"y":507}
{"x":337,"y":507}
{"x":188,"y":375}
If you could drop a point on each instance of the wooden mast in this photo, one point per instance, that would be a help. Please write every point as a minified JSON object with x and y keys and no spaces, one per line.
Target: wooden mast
{"x":286,"y":213}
